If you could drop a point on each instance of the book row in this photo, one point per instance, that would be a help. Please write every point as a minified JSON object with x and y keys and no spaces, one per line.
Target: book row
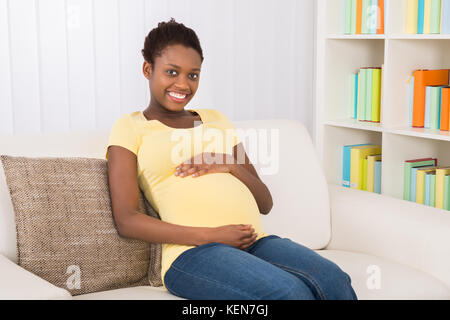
{"x":426,"y":183}
{"x":428,"y":16}
{"x":365,"y":94}
{"x":429,"y":99}
{"x":364,"y":17}
{"x":361,"y":167}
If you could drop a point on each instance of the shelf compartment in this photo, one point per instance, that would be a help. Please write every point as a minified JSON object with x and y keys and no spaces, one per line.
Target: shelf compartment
{"x":335,"y":138}
{"x":344,"y":57}
{"x":397,"y":148}
{"x":403,"y":57}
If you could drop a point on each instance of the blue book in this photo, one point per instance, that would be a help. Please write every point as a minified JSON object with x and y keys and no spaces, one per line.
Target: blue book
{"x":445,"y":28}
{"x":346,"y":163}
{"x":377,"y":177}
{"x":427,"y":107}
{"x":373,"y":17}
{"x":420,"y":18}
{"x":426,"y":200}
{"x":411,"y":100}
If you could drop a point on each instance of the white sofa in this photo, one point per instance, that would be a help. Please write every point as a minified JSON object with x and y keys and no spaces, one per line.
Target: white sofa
{"x":392,"y":249}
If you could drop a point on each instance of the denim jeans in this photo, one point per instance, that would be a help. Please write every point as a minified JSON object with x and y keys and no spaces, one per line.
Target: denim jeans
{"x":273,"y":268}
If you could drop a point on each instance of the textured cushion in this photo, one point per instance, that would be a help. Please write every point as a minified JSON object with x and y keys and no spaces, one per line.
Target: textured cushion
{"x":65,"y":226}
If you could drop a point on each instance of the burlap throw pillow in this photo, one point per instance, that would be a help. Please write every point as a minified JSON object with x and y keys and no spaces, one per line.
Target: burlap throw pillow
{"x":65,"y":228}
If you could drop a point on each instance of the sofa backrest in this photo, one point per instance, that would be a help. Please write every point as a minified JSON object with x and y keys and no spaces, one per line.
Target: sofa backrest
{"x":285,"y":159}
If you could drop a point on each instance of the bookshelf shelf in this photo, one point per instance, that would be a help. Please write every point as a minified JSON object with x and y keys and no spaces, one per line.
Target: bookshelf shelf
{"x":355,"y":124}
{"x":338,"y":56}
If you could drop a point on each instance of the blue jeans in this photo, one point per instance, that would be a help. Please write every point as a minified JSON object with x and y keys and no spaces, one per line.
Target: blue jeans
{"x":273,"y":268}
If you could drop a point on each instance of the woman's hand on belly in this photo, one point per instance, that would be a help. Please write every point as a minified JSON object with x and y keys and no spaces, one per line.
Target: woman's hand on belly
{"x":204,"y":163}
{"x":240,"y":236}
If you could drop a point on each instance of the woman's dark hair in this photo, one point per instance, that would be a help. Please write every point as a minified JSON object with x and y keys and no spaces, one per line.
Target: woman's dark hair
{"x":169,"y":33}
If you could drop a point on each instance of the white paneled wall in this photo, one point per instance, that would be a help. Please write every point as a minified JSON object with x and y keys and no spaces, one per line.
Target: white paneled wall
{"x":77,"y":64}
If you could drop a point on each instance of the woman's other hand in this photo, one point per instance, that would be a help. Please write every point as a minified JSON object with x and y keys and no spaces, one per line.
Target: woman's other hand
{"x":240,"y":236}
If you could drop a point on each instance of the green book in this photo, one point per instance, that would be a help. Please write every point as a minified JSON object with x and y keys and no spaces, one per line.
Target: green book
{"x":348,"y":16}
{"x":435,"y":98}
{"x":376,"y":94}
{"x":446,"y":192}
{"x":435,"y":16}
{"x":368,"y":112}
{"x":433,"y":189}
{"x":353,"y":22}
{"x":362,"y":94}
{"x":364,"y":17}
{"x":407,"y":166}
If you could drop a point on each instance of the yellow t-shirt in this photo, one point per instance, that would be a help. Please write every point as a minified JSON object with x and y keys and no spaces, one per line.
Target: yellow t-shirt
{"x":210,"y":200}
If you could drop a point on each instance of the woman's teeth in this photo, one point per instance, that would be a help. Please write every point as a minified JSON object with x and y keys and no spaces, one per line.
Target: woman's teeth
{"x":176,"y":95}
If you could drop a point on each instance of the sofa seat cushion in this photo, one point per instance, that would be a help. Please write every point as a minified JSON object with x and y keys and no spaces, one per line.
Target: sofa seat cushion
{"x":135,"y":293}
{"x":375,"y":278}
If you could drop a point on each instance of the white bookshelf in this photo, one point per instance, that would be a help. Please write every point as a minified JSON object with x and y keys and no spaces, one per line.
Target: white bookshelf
{"x":340,"y":55}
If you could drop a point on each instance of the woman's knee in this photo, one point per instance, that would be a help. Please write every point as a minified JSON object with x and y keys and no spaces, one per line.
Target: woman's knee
{"x":339,"y":286}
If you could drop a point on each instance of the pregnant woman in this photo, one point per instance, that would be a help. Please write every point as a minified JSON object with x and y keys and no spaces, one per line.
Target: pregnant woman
{"x":213,"y":242}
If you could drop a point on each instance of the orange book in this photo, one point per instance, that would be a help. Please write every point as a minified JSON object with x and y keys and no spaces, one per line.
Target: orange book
{"x":359,"y":6}
{"x":380,"y":25}
{"x":445,"y":108}
{"x":423,"y":78}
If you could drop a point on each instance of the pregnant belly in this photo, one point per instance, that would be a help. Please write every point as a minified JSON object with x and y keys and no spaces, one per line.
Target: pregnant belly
{"x":210,"y":200}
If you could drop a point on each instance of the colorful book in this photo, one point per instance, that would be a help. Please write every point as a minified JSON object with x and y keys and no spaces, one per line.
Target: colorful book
{"x":380,"y":24}
{"x":407,"y":166}
{"x":440,"y":175}
{"x":346,"y":163}
{"x":371,"y":171}
{"x":355,"y":113}
{"x":353,"y":22}
{"x":445,"y":108}
{"x":364,"y":172}
{"x":352,"y":95}
{"x":426,"y":123}
{"x":420,"y":16}
{"x":413,"y":187}
{"x":427,"y":17}
{"x":432,"y":189}
{"x":376,"y":94}
{"x":372,"y":16}
{"x":358,"y":154}
{"x":348,"y":17}
{"x":364,"y":20}
{"x":377,"y":177}
{"x":435,"y":100}
{"x":446,"y":192}
{"x":411,"y":100}
{"x":426,"y":200}
{"x":359,"y":8}
{"x":435,"y":17}
{"x":420,"y":183}
{"x":445,"y":16}
{"x":412,"y":10}
{"x":423,"y":78}
{"x":368,"y":111}
{"x":362,"y":99}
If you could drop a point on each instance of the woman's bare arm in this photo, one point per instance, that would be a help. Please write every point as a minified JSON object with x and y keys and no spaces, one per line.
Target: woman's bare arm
{"x":124,"y":192}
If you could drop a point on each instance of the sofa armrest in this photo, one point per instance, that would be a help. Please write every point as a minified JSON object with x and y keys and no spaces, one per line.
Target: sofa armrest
{"x":18,"y":283}
{"x":406,"y":232}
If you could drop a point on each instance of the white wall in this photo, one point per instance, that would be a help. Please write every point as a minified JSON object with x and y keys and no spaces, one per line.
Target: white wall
{"x":76,"y":64}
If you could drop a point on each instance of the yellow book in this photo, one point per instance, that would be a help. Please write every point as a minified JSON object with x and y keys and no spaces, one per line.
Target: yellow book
{"x":371,"y":170}
{"x":364,"y":182}
{"x":440,"y":175}
{"x":420,"y":184}
{"x":357,"y":156}
{"x":412,"y":15}
{"x":427,"y":17}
